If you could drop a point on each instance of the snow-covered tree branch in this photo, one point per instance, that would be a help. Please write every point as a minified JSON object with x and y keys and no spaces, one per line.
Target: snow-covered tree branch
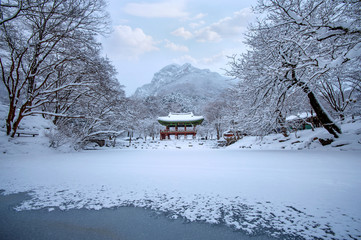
{"x":293,"y":48}
{"x":46,"y":36}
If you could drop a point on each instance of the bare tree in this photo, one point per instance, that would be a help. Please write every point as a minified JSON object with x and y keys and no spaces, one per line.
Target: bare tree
{"x":293,"y":47}
{"x":100,"y":102}
{"x":35,"y":46}
{"x":215,"y":114}
{"x":10,"y":9}
{"x":339,"y":86}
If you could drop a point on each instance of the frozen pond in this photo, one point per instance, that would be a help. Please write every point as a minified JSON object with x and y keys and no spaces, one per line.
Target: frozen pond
{"x":121,"y":223}
{"x":310,"y":194}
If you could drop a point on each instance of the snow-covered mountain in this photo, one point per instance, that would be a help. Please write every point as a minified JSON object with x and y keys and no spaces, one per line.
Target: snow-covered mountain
{"x":184,"y":80}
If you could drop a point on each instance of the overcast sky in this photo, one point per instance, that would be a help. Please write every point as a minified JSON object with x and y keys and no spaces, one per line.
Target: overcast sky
{"x":148,"y":35}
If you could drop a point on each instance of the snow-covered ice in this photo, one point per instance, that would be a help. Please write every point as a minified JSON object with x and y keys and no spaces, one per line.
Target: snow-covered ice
{"x":313,"y":194}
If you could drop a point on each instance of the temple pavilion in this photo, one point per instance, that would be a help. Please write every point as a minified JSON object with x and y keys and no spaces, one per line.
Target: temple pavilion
{"x":176,"y":124}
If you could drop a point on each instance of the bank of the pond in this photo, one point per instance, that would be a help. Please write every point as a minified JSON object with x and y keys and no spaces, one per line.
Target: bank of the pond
{"x":124,"y":223}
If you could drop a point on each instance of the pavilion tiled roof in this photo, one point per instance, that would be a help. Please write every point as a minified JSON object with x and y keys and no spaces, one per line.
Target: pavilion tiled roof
{"x":174,"y":118}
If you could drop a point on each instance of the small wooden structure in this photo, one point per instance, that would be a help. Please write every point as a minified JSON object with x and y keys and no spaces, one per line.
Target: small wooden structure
{"x":27,"y":134}
{"x":179,"y":124}
{"x":229,"y":135}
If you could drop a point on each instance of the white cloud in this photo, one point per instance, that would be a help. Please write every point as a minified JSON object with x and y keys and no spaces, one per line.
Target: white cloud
{"x":166,"y":9}
{"x":220,"y":57}
{"x":216,"y":61}
{"x":129,"y":43}
{"x":181,"y":32}
{"x":231,"y":26}
{"x":228,"y":27}
{"x":186,"y":59}
{"x":175,"y":47}
{"x":199,"y":16}
{"x":197,"y":24}
{"x":207,"y":34}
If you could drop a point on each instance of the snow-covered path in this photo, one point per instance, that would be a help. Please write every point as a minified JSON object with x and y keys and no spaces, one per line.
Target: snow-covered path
{"x":308,"y":193}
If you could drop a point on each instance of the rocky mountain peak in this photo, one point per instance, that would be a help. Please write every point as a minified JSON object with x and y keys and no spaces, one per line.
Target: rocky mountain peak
{"x":172,"y":72}
{"x":184,"y":79}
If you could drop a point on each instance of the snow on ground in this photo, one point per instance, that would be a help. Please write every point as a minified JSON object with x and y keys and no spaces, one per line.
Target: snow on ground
{"x":314,"y":194}
{"x":167,"y":144}
{"x":26,"y":144}
{"x":349,"y":140}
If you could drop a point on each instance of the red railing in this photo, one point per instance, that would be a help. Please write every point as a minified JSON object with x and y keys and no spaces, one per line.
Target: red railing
{"x":164,"y":134}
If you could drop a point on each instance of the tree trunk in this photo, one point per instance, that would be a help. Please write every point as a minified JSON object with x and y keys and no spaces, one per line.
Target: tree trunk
{"x":15,"y":126}
{"x":342,"y":116}
{"x":11,"y":125}
{"x":218,"y":130}
{"x":10,"y":118}
{"x":322,"y":115}
{"x":18,"y":120}
{"x":282,"y":122}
